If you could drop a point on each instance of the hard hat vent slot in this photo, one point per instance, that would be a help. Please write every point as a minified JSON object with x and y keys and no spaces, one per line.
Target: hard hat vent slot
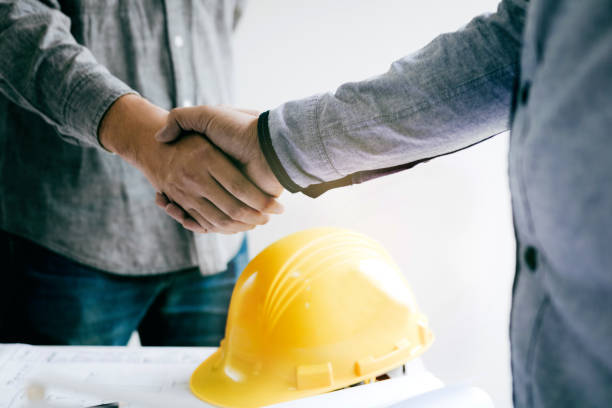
{"x":424,"y":333}
{"x":314,"y":376}
{"x":370,"y":364}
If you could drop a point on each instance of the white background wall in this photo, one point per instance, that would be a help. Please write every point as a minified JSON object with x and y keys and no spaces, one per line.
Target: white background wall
{"x":448,"y":222}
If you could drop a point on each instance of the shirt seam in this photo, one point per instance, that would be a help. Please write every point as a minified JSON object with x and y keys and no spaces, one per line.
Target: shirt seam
{"x":323,"y":153}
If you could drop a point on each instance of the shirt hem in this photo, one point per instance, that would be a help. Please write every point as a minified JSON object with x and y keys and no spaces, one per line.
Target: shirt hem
{"x":87,"y":261}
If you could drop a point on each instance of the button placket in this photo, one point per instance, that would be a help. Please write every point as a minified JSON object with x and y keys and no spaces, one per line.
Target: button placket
{"x":184,"y":79}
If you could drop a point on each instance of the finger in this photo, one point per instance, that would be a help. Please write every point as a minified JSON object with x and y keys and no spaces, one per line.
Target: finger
{"x":181,"y":216}
{"x":237,"y":210}
{"x":187,"y":220}
{"x":183,"y":119}
{"x":242,"y":191}
{"x":176,"y":212}
{"x":245,"y":230}
{"x":161,"y":200}
{"x":220,"y":221}
{"x":193,"y":226}
{"x":201,"y":221}
{"x":170,"y":132}
{"x":202,"y":215}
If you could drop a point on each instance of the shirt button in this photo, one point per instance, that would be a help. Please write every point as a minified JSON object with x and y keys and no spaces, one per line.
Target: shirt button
{"x":178,"y":41}
{"x":525,"y":92}
{"x":187,"y":103}
{"x":531,"y":258}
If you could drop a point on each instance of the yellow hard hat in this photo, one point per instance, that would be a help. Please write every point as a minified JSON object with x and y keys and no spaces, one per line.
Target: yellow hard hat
{"x":316,"y":311}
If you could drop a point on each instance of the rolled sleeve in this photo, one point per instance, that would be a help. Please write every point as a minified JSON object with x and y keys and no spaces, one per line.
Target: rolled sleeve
{"x":295,"y":137}
{"x":91,"y":98}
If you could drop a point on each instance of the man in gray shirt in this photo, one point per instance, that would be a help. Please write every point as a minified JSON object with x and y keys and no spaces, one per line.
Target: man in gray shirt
{"x":542,"y":69}
{"x":88,"y":257}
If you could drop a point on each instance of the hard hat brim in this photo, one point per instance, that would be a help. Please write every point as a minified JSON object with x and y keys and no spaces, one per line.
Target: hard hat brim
{"x":212,"y":384}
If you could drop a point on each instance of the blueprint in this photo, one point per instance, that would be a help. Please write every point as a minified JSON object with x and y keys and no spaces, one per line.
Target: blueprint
{"x":152,"y":377}
{"x":85,"y":376}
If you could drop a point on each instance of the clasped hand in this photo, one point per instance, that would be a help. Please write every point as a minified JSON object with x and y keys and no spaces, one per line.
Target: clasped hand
{"x":204,"y":162}
{"x":235,"y":132}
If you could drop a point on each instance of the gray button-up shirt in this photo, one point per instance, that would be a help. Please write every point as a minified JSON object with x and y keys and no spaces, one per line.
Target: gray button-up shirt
{"x":62,"y":64}
{"x":457,"y":91}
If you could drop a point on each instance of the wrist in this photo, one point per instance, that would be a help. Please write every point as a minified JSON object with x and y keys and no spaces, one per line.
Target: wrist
{"x":129,"y":125}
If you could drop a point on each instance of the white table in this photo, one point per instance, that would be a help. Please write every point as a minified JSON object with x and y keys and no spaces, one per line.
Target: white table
{"x":154,"y":377}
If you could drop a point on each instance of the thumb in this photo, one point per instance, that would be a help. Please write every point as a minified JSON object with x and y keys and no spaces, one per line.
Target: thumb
{"x":192,"y":119}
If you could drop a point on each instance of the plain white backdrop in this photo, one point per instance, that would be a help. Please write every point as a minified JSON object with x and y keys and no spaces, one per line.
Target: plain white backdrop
{"x":447,"y":223}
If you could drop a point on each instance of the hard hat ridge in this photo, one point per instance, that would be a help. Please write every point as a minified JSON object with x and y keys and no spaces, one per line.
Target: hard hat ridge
{"x":297,"y":274}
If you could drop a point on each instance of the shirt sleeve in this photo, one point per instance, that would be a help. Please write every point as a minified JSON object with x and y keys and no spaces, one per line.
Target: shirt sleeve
{"x":44,"y":70}
{"x":453,"y":93}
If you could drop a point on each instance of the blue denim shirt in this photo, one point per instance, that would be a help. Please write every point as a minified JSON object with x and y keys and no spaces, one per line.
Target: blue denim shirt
{"x":62,"y":64}
{"x":543,"y":69}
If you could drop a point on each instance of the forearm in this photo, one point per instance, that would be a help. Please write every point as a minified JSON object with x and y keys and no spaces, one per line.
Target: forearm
{"x":451,"y":94}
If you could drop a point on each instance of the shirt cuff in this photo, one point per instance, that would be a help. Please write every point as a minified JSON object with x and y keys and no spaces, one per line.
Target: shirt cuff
{"x":294,"y":132}
{"x":265,"y":143}
{"x":89,"y":100}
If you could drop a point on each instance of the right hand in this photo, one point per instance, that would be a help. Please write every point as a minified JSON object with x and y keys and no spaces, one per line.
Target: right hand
{"x":192,"y":173}
{"x":233,"y":130}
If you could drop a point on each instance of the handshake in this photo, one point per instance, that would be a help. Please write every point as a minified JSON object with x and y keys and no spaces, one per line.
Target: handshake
{"x":205,"y":162}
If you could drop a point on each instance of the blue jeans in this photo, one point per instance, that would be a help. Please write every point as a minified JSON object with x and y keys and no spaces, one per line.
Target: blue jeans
{"x":46,"y":298}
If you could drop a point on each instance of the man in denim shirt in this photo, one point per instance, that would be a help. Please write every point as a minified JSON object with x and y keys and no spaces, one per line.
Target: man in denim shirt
{"x":87,"y":256}
{"x":542,"y":69}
